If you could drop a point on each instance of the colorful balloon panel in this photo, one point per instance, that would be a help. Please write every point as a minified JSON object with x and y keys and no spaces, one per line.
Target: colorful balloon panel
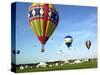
{"x":43,"y":20}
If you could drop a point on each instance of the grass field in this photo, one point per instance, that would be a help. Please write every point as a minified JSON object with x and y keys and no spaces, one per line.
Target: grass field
{"x":90,"y":64}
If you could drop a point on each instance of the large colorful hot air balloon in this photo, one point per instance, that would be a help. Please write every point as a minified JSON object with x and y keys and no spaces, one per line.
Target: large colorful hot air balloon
{"x":88,"y":44}
{"x":43,"y":19}
{"x":68,"y":41}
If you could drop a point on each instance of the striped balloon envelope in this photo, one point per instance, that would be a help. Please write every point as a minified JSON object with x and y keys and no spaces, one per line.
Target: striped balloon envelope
{"x":43,"y":19}
{"x":68,"y":40}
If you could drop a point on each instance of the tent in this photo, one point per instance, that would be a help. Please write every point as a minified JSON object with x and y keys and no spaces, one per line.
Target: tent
{"x":85,"y":60}
{"x":50,"y":65}
{"x":66,"y":61}
{"x":77,"y":62}
{"x":61,"y":64}
{"x":56,"y":64}
{"x":21,"y":67}
{"x":26,"y":66}
{"x":41,"y":64}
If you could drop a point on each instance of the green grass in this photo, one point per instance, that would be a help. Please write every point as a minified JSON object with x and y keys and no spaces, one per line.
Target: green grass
{"x":91,"y":64}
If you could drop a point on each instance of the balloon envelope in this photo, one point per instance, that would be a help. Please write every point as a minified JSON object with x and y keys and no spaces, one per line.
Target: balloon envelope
{"x":43,"y":19}
{"x":68,"y":41}
{"x":16,"y":51}
{"x":88,"y":44}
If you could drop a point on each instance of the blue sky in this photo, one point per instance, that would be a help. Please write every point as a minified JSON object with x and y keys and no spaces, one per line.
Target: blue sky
{"x":80,"y":22}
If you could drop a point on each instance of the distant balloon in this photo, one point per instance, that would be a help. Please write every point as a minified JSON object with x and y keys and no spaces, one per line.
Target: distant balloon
{"x":88,"y":44}
{"x":16,"y":52}
{"x":61,"y":52}
{"x":68,"y":41}
{"x":43,"y":19}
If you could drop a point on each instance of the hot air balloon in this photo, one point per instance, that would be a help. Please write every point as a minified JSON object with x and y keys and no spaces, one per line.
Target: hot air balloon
{"x":61,"y":52}
{"x":13,"y":51}
{"x":16,"y":51}
{"x":68,"y":41}
{"x":43,"y":19}
{"x":88,"y":44}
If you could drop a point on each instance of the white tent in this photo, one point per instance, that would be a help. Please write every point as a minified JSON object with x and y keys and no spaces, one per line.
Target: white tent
{"x":42,"y":64}
{"x":66,"y":61}
{"x":21,"y":67}
{"x":26,"y":66}
{"x":85,"y":60}
{"x":56,"y":64}
{"x":77,"y":62}
{"x":61,"y":64}
{"x":50,"y":65}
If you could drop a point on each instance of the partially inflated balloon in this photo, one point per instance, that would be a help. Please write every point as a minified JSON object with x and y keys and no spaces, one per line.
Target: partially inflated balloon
{"x":68,"y":41}
{"x":43,"y":19}
{"x":88,"y":44}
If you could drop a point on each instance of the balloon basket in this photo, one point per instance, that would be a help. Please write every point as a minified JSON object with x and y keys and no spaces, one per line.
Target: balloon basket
{"x":42,"y":50}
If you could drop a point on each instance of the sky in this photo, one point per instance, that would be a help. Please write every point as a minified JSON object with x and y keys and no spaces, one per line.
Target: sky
{"x":80,"y":22}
